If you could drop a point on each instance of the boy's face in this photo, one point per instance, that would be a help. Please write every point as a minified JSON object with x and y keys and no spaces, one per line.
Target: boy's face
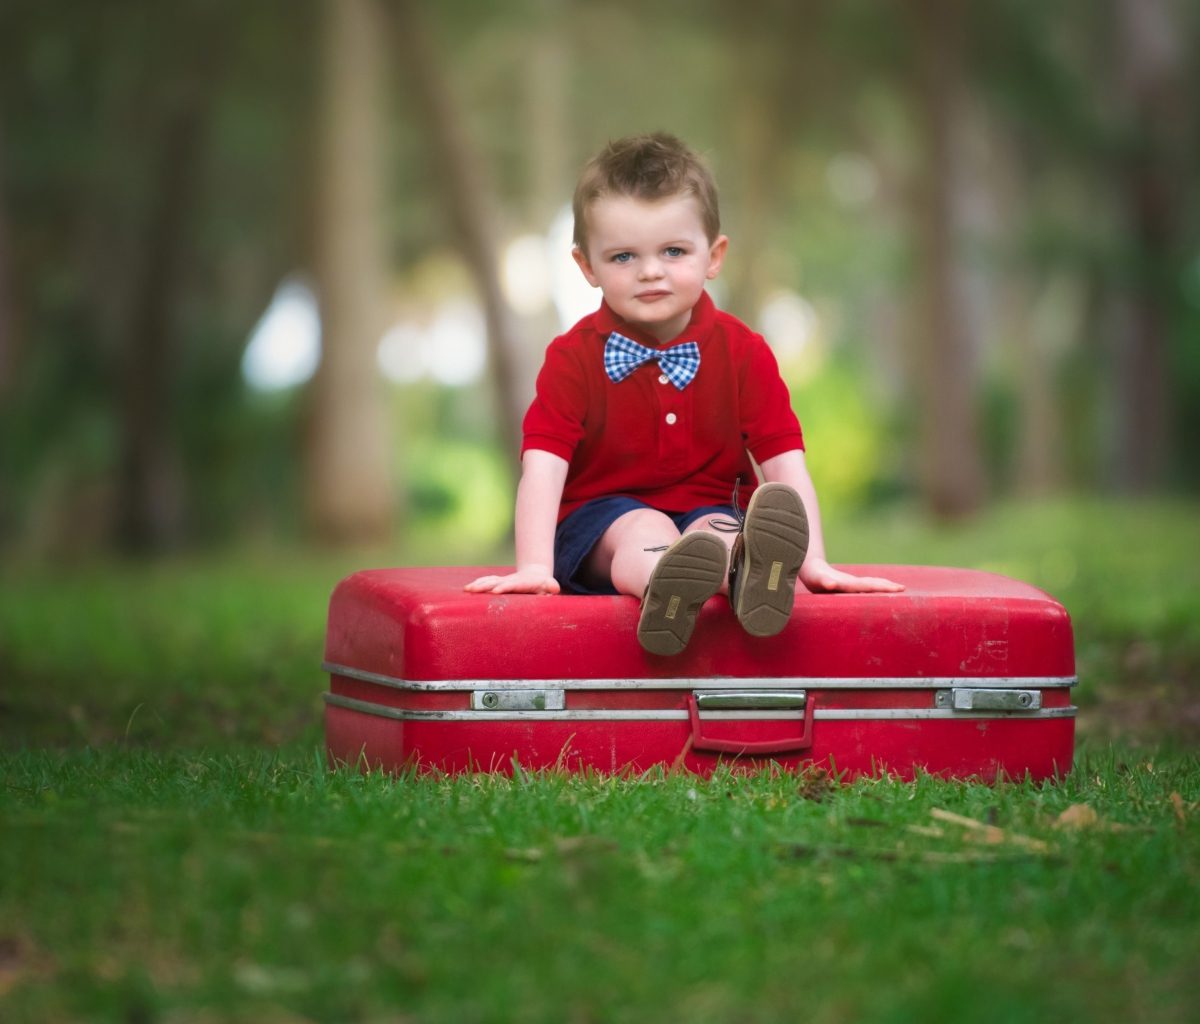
{"x":650,"y":259}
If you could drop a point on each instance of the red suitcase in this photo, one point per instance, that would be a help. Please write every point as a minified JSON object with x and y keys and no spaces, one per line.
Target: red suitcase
{"x":965,"y":673}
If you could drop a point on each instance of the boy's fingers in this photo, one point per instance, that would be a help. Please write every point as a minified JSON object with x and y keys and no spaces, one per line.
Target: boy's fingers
{"x":520,"y":585}
{"x":876,"y":583}
{"x":848,"y":584}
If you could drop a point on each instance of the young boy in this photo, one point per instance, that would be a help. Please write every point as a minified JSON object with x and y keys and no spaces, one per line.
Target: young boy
{"x":646,"y":415}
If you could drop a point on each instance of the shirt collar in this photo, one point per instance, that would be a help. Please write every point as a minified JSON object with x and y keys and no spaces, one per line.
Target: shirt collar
{"x":704,"y":315}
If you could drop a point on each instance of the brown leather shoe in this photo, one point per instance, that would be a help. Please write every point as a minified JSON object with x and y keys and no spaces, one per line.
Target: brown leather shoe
{"x":766,"y":559}
{"x":690,"y":571}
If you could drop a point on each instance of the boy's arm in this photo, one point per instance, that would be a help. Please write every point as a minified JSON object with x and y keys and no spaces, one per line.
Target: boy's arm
{"x":816,"y":573}
{"x":543,"y":475}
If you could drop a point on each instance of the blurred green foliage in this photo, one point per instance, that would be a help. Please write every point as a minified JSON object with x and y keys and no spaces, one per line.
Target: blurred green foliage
{"x":847,"y":440}
{"x":805,"y":112}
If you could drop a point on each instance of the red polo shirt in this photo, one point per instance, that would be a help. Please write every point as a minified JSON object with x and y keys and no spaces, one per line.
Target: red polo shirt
{"x":675,"y":450}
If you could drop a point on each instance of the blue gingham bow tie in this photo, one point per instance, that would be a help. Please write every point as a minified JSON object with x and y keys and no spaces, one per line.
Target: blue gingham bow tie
{"x":624,"y":355}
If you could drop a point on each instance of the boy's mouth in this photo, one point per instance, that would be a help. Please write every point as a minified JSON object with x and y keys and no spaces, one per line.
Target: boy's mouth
{"x":652,"y":295}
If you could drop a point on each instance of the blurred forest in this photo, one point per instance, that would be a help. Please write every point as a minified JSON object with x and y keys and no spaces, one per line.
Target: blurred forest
{"x":971,"y":232}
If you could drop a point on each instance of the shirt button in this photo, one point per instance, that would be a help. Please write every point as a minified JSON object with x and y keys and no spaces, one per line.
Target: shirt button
{"x":670,"y":417}
{"x":662,"y":378}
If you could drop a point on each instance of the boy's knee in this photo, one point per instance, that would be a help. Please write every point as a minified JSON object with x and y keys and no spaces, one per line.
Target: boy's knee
{"x":727,"y":536}
{"x":646,"y":522}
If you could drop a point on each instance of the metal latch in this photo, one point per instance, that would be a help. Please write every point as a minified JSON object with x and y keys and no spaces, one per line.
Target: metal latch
{"x":730,"y":700}
{"x":963,"y":698}
{"x":518,"y":700}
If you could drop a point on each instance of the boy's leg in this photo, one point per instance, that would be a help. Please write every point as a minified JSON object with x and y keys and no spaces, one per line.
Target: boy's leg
{"x":673,"y":583}
{"x":620,"y":554}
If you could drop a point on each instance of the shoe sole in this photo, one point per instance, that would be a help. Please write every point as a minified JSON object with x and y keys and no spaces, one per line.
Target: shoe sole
{"x":775,"y":540}
{"x":690,"y":571}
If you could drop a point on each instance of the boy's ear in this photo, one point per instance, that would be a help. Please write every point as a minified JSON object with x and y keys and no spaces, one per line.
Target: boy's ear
{"x":716,"y":256}
{"x":580,"y":257}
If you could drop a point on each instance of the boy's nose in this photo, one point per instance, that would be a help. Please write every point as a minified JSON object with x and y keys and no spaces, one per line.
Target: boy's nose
{"x":651,"y":268}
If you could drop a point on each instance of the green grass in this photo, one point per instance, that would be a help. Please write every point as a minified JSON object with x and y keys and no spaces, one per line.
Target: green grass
{"x":171,"y":848}
{"x":247,"y":887}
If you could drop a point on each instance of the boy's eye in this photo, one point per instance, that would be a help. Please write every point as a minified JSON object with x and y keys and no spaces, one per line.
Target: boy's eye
{"x":622,"y":257}
{"x":673,"y":250}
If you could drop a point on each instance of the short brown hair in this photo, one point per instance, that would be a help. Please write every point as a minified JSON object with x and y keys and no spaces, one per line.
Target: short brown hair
{"x":651,"y":167}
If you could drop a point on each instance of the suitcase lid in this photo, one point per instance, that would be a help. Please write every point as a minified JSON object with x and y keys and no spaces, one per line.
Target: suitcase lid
{"x":419,"y":624}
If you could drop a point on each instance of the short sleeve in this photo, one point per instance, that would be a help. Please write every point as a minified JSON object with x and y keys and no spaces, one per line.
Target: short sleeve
{"x":554,"y":422}
{"x":769,"y":425}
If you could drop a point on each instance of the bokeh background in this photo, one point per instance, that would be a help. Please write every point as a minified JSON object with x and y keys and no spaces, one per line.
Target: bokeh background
{"x":287,"y":269}
{"x":276,"y":277}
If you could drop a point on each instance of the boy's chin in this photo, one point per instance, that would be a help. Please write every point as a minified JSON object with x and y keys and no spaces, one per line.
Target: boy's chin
{"x":654,"y":312}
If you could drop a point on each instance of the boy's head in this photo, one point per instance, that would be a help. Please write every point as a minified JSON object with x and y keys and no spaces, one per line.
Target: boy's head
{"x":647,"y":230}
{"x":650,"y":168}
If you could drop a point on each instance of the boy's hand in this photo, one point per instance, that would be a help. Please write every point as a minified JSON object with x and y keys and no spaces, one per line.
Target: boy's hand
{"x":529,"y":579}
{"x":821,"y":577}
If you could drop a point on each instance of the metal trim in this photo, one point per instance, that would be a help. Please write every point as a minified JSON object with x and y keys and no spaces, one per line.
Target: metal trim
{"x":620,"y":715}
{"x":711,"y":682}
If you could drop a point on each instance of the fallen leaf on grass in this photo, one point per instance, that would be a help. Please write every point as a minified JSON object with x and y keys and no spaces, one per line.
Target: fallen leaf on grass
{"x":815,"y":785}
{"x":532,"y":854}
{"x":1177,"y":803}
{"x":1077,"y":816}
{"x":10,"y":964}
{"x":977,"y":831}
{"x":20,"y":961}
{"x":1080,"y":816}
{"x":957,"y":819}
{"x":263,"y":980}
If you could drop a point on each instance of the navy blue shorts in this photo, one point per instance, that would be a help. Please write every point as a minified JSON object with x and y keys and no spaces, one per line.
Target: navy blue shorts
{"x":577,"y":535}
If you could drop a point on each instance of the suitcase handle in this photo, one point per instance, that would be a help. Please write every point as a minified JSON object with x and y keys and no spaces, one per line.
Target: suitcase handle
{"x":750,"y":748}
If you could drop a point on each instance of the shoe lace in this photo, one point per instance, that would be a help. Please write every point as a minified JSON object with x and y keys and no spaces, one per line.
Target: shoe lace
{"x":721,"y":525}
{"x":736,"y":524}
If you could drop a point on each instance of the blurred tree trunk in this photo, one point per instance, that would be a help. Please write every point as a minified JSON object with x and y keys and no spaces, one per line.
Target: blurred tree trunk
{"x":951,"y":470}
{"x":458,"y":171}
{"x":757,"y":136}
{"x":1047,"y":324}
{"x":548,"y":89}
{"x":752,"y":157}
{"x":349,"y":496}
{"x":8,"y":341}
{"x":1156,"y":109}
{"x":8,"y":353}
{"x":1037,"y":317}
{"x":549,"y":152}
{"x":150,"y":488}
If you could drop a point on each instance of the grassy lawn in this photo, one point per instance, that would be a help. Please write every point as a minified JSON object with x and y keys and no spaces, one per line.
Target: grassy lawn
{"x":172,"y":848}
